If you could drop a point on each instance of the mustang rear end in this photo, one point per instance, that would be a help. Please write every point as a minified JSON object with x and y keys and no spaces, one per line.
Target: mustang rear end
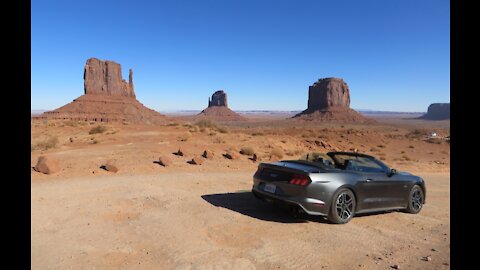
{"x":294,"y":184}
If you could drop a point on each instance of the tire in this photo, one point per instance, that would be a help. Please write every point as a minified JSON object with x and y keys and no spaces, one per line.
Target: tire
{"x":343,"y":206}
{"x":415,"y":200}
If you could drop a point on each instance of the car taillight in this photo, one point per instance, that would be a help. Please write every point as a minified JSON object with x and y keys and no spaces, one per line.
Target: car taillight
{"x":300,"y":180}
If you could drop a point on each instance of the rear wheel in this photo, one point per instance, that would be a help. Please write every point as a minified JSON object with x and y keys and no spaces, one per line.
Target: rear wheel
{"x":343,"y":207}
{"x":415,"y":200}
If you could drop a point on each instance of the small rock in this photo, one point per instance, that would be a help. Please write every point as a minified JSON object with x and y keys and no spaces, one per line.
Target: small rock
{"x":181,"y":152}
{"x":395,"y":266}
{"x":164,"y":161}
{"x":71,"y":139}
{"x":47,"y":165}
{"x":208,"y":154}
{"x":197,"y":161}
{"x":231,"y":155}
{"x":433,"y":249}
{"x":254,"y":158}
{"x":110,"y":168}
{"x":427,"y":258}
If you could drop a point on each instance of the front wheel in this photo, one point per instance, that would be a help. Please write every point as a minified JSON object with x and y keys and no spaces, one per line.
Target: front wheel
{"x":415,"y":200}
{"x":343,"y":207}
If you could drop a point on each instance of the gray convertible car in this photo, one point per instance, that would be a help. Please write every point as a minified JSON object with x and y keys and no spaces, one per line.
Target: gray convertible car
{"x":338,"y":186}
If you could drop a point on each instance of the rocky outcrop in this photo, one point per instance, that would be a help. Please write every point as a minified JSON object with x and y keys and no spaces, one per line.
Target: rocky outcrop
{"x":329,"y":101}
{"x":437,"y":111}
{"x":218,"y":109}
{"x":219,"y":98}
{"x":105,"y":78}
{"x":107,"y":98}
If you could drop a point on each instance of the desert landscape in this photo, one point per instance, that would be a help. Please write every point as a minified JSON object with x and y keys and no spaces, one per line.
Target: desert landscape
{"x":117,"y":185}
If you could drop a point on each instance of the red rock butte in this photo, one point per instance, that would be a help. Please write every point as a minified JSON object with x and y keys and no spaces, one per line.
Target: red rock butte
{"x":107,"y":98}
{"x":329,"y":101}
{"x":218,"y":109}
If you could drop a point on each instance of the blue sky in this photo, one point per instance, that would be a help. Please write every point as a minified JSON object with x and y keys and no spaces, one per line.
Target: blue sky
{"x":394,"y":55}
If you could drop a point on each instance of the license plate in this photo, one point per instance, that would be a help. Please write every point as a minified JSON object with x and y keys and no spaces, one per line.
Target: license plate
{"x":270,"y":188}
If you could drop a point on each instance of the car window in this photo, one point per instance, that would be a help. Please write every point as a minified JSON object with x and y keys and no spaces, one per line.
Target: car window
{"x":364,"y":164}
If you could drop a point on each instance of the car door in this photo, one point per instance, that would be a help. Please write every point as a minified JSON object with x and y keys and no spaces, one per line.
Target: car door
{"x":377,"y":188}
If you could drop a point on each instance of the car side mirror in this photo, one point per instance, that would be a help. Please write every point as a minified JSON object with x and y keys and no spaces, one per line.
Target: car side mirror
{"x":391,"y":172}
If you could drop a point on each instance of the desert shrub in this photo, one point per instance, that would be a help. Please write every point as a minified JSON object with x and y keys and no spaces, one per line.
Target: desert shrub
{"x":71,"y":123}
{"x":194,"y":129}
{"x":206,"y":123}
{"x":373,"y":149}
{"x":172,"y":124}
{"x":218,"y":140}
{"x":248,"y":151}
{"x":97,"y":129}
{"x":383,"y":158}
{"x":94,"y":141}
{"x":48,"y":143}
{"x":278,"y":152}
{"x":257,"y":134}
{"x":405,"y":157}
{"x":222,"y":129}
{"x":283,"y":141}
{"x":402,"y":152}
{"x":411,"y":146}
{"x":381,"y":146}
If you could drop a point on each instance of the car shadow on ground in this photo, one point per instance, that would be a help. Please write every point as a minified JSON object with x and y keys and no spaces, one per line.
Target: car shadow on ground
{"x":245,"y":203}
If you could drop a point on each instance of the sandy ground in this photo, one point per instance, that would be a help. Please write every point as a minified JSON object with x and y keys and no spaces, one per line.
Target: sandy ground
{"x":211,"y":221}
{"x":185,"y":216}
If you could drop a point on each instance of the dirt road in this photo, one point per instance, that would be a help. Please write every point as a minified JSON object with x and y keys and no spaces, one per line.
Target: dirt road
{"x":211,"y":221}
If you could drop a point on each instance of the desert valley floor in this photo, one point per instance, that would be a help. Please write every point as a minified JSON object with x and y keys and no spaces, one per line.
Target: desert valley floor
{"x":184,"y":216}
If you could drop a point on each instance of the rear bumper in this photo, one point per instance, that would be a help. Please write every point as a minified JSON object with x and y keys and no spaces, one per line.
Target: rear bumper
{"x":310,"y":206}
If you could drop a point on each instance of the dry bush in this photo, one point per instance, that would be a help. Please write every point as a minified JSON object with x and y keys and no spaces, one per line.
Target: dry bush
{"x":48,"y":143}
{"x":407,"y":158}
{"x":283,"y":141}
{"x":248,"y":151}
{"x":194,"y":129}
{"x":278,"y":152}
{"x":295,"y":152}
{"x":206,"y":123}
{"x":257,"y":134}
{"x":222,"y":129}
{"x":381,"y":146}
{"x":411,"y":146}
{"x":218,"y":140}
{"x":97,"y":129}
{"x":373,"y":149}
{"x":402,"y":152}
{"x":71,"y":123}
{"x":173,"y":124}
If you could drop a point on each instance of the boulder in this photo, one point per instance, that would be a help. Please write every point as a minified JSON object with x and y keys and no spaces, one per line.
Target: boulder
{"x":197,"y":160}
{"x":232,"y":155}
{"x":208,"y":154}
{"x":164,"y":161}
{"x":47,"y":165}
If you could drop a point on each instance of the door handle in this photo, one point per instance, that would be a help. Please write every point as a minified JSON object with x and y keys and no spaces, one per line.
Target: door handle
{"x":368,"y":180}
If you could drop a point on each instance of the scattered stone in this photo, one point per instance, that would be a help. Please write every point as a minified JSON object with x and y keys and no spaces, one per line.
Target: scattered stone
{"x":164,"y":161}
{"x":110,"y":166}
{"x":395,"y":266}
{"x":47,"y":165}
{"x":197,"y":160}
{"x":71,"y":139}
{"x":254,"y":158}
{"x":427,"y":258}
{"x":232,"y":155}
{"x":181,"y":152}
{"x":208,"y":154}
